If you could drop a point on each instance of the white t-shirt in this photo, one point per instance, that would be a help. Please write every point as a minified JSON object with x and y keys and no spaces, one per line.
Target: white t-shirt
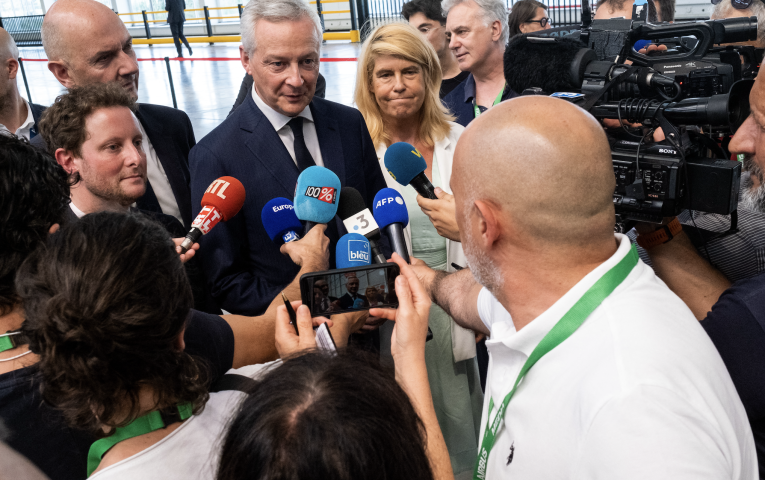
{"x":191,"y":451}
{"x":637,"y":392}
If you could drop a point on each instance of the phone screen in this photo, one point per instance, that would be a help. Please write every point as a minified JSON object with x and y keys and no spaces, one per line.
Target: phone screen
{"x":348,"y":290}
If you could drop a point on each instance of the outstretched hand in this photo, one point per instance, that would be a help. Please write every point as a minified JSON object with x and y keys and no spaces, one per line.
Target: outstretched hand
{"x":185,"y":257}
{"x":287,"y":341}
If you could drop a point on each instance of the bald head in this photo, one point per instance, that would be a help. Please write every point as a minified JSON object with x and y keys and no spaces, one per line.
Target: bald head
{"x":8,"y":47}
{"x":70,"y":22}
{"x":545,"y":167}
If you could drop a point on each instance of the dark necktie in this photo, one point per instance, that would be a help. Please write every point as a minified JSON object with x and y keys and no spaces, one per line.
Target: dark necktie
{"x":302,"y":155}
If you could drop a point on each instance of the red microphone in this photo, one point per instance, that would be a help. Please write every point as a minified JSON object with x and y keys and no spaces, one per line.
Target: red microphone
{"x":222,"y":201}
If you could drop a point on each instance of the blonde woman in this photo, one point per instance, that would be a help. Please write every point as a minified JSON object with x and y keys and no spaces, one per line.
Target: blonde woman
{"x":397,"y":88}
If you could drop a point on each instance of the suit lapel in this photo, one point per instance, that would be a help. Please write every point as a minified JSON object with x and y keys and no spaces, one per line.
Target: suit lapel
{"x":330,"y":143}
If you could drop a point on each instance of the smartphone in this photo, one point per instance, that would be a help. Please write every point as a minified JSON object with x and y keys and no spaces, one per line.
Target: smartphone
{"x":350,"y":289}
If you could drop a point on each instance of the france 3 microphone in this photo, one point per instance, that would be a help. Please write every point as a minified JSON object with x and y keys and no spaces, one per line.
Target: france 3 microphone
{"x":316,"y":195}
{"x":222,"y":200}
{"x":406,"y":165}
{"x":392,"y":217}
{"x":358,"y":219}
{"x":279,"y":220}
{"x":352,"y":250}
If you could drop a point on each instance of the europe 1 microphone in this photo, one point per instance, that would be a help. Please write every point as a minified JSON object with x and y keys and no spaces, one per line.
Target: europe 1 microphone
{"x":358,"y":219}
{"x":222,"y":201}
{"x":279,"y":220}
{"x":316,"y":196}
{"x":407,"y":166}
{"x":392,"y":216}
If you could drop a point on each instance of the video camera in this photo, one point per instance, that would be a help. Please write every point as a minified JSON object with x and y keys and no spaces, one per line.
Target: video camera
{"x":697,"y":92}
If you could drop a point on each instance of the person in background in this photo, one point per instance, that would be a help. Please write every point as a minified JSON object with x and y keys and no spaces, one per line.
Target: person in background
{"x":427,"y":17}
{"x":528,"y":16}
{"x":728,"y":9}
{"x":478,"y":34}
{"x":372,"y":296}
{"x":175,"y":18}
{"x":17,"y":116}
{"x":397,"y":92}
{"x":352,"y":298}
{"x":658,"y":10}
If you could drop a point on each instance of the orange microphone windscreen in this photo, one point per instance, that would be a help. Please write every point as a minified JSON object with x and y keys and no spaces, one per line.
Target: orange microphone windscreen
{"x":227,"y":195}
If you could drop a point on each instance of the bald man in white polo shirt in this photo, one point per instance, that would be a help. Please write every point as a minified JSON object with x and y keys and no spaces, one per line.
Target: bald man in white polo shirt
{"x":615,"y":377}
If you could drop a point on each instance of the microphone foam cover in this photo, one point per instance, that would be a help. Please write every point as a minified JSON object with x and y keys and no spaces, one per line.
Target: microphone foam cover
{"x":278,"y":217}
{"x":390,"y":208}
{"x":227,"y":195}
{"x":351,"y":202}
{"x":404,"y":162}
{"x":317,"y":194}
{"x":352,"y":251}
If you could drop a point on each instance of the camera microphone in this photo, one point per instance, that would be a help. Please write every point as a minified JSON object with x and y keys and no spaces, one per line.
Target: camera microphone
{"x":316,"y":196}
{"x":222,"y":201}
{"x":406,"y":165}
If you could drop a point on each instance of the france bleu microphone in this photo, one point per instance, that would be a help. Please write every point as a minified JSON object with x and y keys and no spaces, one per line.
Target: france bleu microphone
{"x":392,"y":217}
{"x":316,"y":196}
{"x":222,"y":200}
{"x":279,"y":220}
{"x":352,"y":250}
{"x":358,"y":219}
{"x":406,"y":165}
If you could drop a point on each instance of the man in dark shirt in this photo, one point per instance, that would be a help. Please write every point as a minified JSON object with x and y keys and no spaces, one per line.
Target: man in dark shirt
{"x":427,"y":17}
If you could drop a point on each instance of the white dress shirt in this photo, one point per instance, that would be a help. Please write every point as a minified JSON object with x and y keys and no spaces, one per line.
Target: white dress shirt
{"x":637,"y":392}
{"x":24,"y":129}
{"x":158,"y":178}
{"x":280,"y":121}
{"x":76,"y":210}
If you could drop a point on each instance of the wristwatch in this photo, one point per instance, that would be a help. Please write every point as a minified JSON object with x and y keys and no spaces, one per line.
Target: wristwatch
{"x":660,"y":236}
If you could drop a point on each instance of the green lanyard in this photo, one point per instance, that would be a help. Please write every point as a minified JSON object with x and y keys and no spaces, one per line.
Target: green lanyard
{"x":7,"y":342}
{"x":145,"y":424}
{"x":496,"y":101}
{"x":567,"y":325}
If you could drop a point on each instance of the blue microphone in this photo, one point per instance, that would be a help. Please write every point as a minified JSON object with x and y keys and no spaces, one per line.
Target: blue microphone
{"x":407,"y":166}
{"x":316,"y":195}
{"x":279,"y":220}
{"x":391,"y":216}
{"x":352,"y":251}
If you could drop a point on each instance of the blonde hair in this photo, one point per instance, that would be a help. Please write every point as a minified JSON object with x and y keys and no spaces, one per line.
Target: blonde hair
{"x":403,"y":41}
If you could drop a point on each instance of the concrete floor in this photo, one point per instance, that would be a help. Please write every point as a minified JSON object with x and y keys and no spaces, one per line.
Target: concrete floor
{"x":205,"y":90}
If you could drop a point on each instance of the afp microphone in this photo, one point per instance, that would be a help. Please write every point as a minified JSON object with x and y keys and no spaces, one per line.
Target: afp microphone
{"x":352,"y":250}
{"x":222,"y":200}
{"x":358,"y":219}
{"x":316,"y":195}
{"x":392,"y":216}
{"x":279,"y":220}
{"x":406,"y":165}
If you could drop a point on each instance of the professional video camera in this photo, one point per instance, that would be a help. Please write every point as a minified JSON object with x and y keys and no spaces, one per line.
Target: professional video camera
{"x":694,"y":97}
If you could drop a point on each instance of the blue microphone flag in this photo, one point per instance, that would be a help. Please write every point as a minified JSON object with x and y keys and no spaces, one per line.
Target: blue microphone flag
{"x":404,"y":162}
{"x":279,"y":220}
{"x":352,"y":251}
{"x":389,"y":207}
{"x":317,"y":194}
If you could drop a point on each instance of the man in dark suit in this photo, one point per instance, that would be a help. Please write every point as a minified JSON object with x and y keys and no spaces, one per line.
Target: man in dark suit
{"x":17,"y":116}
{"x":87,"y":43}
{"x":352,"y":297}
{"x":175,"y":18}
{"x":279,"y":130}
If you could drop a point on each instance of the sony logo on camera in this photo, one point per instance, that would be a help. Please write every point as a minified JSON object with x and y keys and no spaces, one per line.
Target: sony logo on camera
{"x":668,"y":150}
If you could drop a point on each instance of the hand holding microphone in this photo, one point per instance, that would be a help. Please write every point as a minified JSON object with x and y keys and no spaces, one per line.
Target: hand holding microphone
{"x":442,"y":214}
{"x":222,"y":201}
{"x":406,"y":165}
{"x":312,"y":250}
{"x":392,"y":216}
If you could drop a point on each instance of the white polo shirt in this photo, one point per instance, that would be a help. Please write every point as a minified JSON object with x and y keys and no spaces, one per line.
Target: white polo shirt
{"x":637,"y":392}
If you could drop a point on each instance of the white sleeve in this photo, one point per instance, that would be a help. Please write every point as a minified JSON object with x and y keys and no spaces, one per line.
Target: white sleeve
{"x":651,"y":432}
{"x":491,"y":311}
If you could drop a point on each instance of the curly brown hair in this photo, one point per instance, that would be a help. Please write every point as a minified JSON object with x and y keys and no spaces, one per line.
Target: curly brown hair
{"x":105,"y":302}
{"x":63,"y":123}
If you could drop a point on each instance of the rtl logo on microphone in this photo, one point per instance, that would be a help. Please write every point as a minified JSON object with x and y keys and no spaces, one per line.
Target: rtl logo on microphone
{"x":207,"y":219}
{"x":357,"y":251}
{"x":218,"y":187}
{"x":325,"y":194}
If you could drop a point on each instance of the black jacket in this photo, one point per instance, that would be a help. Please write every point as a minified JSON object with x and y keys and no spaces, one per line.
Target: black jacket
{"x":175,"y":11}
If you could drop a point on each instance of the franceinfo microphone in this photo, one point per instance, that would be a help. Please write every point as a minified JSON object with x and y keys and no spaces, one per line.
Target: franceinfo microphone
{"x":358,"y":219}
{"x":316,"y":195}
{"x":352,"y":250}
{"x":279,"y":220}
{"x":406,"y":165}
{"x":392,"y":216}
{"x":222,"y":200}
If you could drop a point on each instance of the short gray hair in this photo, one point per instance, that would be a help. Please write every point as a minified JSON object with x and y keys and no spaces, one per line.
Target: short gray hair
{"x":275,"y":11}
{"x":756,"y":9}
{"x":493,"y":10}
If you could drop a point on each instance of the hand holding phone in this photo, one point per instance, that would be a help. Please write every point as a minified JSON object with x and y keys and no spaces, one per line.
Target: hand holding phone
{"x":287,"y":341}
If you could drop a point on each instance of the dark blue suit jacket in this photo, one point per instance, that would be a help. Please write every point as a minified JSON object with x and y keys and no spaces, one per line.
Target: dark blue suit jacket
{"x":244,"y":268}
{"x":460,"y":100}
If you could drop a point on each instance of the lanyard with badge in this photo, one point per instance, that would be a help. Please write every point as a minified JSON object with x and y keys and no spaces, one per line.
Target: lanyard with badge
{"x":496,"y":101}
{"x":566,"y":326}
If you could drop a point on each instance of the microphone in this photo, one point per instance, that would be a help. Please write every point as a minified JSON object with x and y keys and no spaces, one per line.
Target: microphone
{"x":316,"y":196}
{"x":222,"y":201}
{"x":406,"y":165}
{"x":392,"y":216}
{"x":358,"y":219}
{"x":279,"y":220}
{"x":352,"y":250}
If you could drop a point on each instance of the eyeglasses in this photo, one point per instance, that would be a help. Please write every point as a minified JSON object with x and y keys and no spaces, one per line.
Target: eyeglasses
{"x":545,"y":20}
{"x":738,"y":4}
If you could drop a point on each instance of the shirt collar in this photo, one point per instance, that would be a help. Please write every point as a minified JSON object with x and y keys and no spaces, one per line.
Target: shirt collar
{"x":28,"y":123}
{"x":76,"y":210}
{"x":529,"y":336}
{"x":469,"y":89}
{"x":278,"y":120}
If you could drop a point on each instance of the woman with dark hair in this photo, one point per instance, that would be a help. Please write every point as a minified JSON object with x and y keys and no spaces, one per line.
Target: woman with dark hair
{"x":528,"y":16}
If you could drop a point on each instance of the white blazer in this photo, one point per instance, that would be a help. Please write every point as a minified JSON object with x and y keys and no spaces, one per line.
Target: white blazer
{"x":463,"y":340}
